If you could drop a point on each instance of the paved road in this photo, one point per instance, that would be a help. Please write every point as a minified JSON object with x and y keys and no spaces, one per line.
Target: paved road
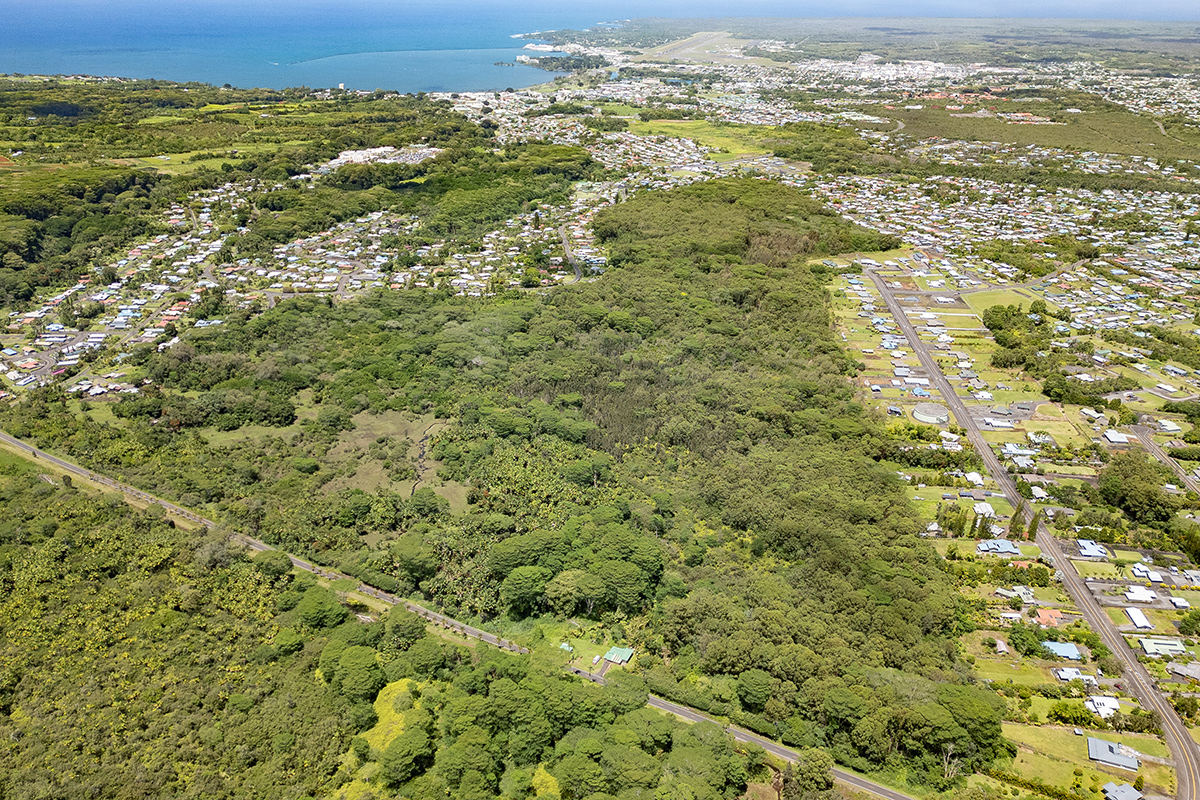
{"x":1136,"y":679}
{"x":742,"y":735}
{"x":1144,"y":436}
{"x":255,"y":544}
{"x":441,"y":619}
{"x":562,"y":231}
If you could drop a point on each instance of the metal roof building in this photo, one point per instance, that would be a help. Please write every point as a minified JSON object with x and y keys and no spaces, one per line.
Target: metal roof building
{"x":1109,"y":753}
{"x":1139,"y":620}
{"x":1066,"y":650}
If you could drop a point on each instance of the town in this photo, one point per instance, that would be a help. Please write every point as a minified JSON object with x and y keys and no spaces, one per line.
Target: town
{"x":1031,"y":332}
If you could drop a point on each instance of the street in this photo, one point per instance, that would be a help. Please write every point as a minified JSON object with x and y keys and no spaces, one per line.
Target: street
{"x":1137,"y":679}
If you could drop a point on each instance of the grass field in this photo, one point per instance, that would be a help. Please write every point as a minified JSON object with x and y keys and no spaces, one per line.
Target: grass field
{"x":978,"y":301}
{"x":1054,"y":740}
{"x":1025,"y":672}
{"x":737,"y":140}
{"x":1095,"y":569}
{"x":1106,"y":131}
{"x":1058,"y":751}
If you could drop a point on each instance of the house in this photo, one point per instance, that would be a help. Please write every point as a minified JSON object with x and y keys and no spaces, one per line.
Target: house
{"x":1066,"y":650}
{"x":1179,"y":602}
{"x":1048,"y":617}
{"x":619,"y":655}
{"x":1140,"y":594}
{"x":1111,"y":754}
{"x":1038,"y":492}
{"x":1169,"y":426}
{"x":1139,"y":620}
{"x":1189,"y":671}
{"x":1089,"y":549}
{"x":1001,"y":647}
{"x":996,"y":547}
{"x":1068,"y":674}
{"x":974,"y":478}
{"x":1120,"y":791}
{"x":985,"y":510}
{"x":1144,"y":572}
{"x":1157,"y":648}
{"x":1102,"y":706}
{"x":1115,"y":437}
{"x":1023,"y":592}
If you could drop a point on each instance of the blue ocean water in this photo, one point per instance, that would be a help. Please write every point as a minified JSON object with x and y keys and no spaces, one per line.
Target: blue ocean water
{"x":404,"y":45}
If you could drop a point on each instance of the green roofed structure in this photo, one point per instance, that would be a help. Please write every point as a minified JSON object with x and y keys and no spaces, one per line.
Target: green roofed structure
{"x":619,"y":655}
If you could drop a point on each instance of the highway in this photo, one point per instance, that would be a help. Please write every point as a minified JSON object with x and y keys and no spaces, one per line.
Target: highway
{"x":1136,"y":679}
{"x":442,"y":620}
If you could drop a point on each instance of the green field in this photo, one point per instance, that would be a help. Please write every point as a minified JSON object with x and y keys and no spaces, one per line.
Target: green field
{"x":1110,"y":130}
{"x":1001,"y":670}
{"x":1096,"y":569}
{"x":1056,"y":752}
{"x":736,"y":140}
{"x":978,"y":301}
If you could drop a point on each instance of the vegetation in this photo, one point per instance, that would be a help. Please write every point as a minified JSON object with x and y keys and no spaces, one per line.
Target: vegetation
{"x":672,"y":451}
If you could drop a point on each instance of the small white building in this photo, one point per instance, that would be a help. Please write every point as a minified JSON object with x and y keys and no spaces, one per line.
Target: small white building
{"x":1102,"y":706}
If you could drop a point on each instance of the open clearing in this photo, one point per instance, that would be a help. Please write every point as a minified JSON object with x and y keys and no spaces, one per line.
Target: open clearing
{"x":737,"y":140}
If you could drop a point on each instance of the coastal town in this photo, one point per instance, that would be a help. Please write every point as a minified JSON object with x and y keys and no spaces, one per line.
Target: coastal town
{"x":1107,"y":274}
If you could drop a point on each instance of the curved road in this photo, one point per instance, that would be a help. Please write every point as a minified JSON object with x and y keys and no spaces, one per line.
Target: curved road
{"x":1136,"y":679}
{"x":444,"y":621}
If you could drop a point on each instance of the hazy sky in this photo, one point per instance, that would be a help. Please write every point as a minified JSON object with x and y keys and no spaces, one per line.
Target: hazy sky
{"x":69,"y":10}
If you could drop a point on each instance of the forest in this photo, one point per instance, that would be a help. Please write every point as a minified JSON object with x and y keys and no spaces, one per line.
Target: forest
{"x":671,"y":451}
{"x":141,"y":660}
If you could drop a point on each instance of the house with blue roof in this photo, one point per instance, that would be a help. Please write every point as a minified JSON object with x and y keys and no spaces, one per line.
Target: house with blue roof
{"x":1090,"y":549}
{"x":1066,"y":650}
{"x":997,"y":547}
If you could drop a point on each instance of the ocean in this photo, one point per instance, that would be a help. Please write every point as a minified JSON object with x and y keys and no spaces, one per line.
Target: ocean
{"x":404,"y":45}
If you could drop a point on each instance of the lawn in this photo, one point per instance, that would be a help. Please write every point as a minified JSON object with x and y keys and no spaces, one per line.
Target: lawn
{"x":1025,"y":672}
{"x":1096,"y":569}
{"x":978,"y":301}
{"x":1062,"y":742}
{"x":1057,"y":752}
{"x":734,"y":139}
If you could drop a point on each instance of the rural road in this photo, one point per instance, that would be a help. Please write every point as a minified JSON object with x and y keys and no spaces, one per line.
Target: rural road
{"x":743,"y":735}
{"x":1143,"y":435}
{"x":444,"y":621}
{"x":1136,"y":679}
{"x":562,"y":231}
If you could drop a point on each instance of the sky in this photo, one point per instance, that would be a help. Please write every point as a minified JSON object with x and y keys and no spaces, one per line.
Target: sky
{"x":75,"y":11}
